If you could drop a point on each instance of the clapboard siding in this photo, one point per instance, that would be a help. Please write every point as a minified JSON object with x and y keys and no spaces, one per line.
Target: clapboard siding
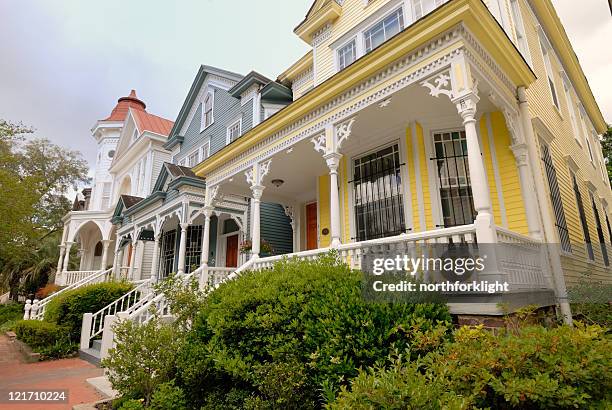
{"x":226,"y":109}
{"x":558,"y":124}
{"x":276,"y":228}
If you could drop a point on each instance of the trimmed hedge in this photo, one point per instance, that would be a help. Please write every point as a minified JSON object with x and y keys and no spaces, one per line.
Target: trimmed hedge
{"x":67,"y":309}
{"x":48,"y":339}
{"x":532,"y":368}
{"x":291,"y":336}
{"x":9,"y":315}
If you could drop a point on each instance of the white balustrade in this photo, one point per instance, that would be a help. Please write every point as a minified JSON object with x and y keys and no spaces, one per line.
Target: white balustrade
{"x":73,"y":277}
{"x":38,"y":308}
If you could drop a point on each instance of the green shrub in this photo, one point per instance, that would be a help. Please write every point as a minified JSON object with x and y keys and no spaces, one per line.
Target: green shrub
{"x":37,"y":333}
{"x":131,"y":404}
{"x":168,"y":397}
{"x":143,"y":358}
{"x":533,"y":368}
{"x":10,"y":314}
{"x":68,"y":308}
{"x":48,"y":339}
{"x":290,"y":336}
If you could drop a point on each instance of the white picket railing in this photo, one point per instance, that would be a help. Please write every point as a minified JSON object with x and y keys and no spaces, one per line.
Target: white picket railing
{"x":72,"y":277}
{"x":93,"y":323}
{"x":35,"y":310}
{"x":524,"y":261}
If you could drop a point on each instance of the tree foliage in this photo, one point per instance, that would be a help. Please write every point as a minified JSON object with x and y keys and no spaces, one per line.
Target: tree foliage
{"x":606,"y":146}
{"x":35,"y":176}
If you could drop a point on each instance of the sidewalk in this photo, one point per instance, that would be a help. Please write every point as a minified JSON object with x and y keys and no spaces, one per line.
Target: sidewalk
{"x":65,"y":374}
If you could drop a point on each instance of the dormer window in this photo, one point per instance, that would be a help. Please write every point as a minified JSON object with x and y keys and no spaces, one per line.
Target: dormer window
{"x":207,"y":110}
{"x":384,"y":30}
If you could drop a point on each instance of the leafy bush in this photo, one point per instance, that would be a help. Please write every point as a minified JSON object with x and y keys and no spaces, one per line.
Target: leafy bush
{"x":10,"y":314}
{"x":168,"y":397}
{"x":68,"y":308}
{"x":143,"y":358}
{"x":48,"y":339}
{"x":534,"y":367}
{"x":292,"y":335}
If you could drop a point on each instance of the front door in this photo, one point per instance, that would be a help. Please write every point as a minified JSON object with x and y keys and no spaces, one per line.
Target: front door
{"x":311,"y":226}
{"x":231,"y":252}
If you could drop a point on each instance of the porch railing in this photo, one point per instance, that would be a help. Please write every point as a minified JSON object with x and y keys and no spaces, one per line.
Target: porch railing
{"x":72,"y":277}
{"x":36,"y":309}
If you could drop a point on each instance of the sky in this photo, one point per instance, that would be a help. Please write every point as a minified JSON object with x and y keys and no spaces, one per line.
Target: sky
{"x":64,"y":63}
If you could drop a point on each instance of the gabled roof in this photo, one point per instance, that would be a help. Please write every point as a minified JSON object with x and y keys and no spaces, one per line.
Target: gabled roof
{"x":125,"y":202}
{"x":250,"y":79}
{"x":151,"y":122}
{"x":203,"y":71}
{"x":320,"y":13}
{"x":274,"y":91}
{"x":173,"y":172}
{"x":130,"y":200}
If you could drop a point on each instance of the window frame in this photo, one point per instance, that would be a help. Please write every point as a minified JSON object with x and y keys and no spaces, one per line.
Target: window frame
{"x":210,"y":95}
{"x":546,"y":49}
{"x":399,"y":11}
{"x":353,"y":41}
{"x":584,"y":222}
{"x":228,"y":137}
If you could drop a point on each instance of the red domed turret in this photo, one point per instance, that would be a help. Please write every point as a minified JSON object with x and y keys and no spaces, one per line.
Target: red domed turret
{"x":123,"y":105}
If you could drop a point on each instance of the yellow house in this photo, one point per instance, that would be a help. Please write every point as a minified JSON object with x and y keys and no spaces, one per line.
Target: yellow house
{"x":433,"y":121}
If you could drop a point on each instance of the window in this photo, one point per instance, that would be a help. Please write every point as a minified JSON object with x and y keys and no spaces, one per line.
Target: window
{"x":377,"y":194}
{"x":583,"y":220}
{"x":194,"y":158}
{"x":519,"y":29}
{"x":205,"y":151}
{"x":546,"y":51}
{"x":106,"y":193}
{"x":207,"y":110}
{"x":555,"y":198}
{"x":193,"y":251}
{"x":608,"y":225}
{"x":168,"y":244}
{"x":423,"y":7}
{"x":600,"y":234}
{"x":454,"y":178}
{"x":571,"y":108}
{"x":234,"y":131}
{"x":384,"y":30}
{"x":347,"y":54}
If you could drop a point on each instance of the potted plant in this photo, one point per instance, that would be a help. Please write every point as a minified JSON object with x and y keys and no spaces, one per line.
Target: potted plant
{"x":265,"y":249}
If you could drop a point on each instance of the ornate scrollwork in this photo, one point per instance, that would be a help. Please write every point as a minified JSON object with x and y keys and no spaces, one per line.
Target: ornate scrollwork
{"x":442,"y":85}
{"x":343,"y":131}
{"x":320,"y":143}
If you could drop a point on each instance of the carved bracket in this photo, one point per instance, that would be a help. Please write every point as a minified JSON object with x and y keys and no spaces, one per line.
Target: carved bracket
{"x":442,"y":85}
{"x":255,"y":175}
{"x":343,"y":131}
{"x":320,"y":143}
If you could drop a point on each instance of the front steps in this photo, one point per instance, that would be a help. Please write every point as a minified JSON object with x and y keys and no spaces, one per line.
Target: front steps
{"x":92,"y":355}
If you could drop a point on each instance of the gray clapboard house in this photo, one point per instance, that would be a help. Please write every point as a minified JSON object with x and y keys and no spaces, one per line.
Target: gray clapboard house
{"x":220,"y":107}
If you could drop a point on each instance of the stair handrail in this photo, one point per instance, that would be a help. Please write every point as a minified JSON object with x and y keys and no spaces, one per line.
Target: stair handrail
{"x":126,"y":303}
{"x":35,"y":310}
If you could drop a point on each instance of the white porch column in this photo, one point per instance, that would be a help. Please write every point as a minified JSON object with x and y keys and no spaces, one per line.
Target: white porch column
{"x":256,"y":231}
{"x":105,"y":245}
{"x":485,"y":226}
{"x":182,"y":249}
{"x":290,"y":212}
{"x":333,"y":161}
{"x":133,"y":259}
{"x":118,"y":260}
{"x":155,"y":261}
{"x":60,"y":261}
{"x":548,"y":225}
{"x":67,"y":255}
{"x":206,"y":238}
{"x":521,"y":155}
{"x":254,"y":177}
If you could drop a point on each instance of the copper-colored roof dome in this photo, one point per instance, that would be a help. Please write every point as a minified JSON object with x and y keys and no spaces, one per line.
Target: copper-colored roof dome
{"x":123,"y":105}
